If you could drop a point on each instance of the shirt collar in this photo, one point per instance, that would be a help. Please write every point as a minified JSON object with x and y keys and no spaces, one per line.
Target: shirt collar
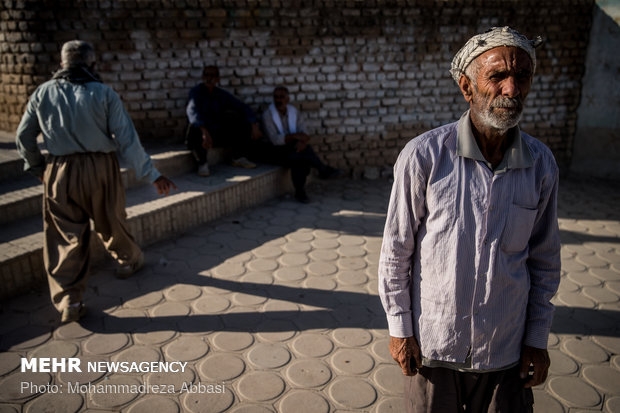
{"x":517,"y":155}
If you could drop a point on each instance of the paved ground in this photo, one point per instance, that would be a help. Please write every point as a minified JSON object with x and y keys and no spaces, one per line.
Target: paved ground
{"x":278,"y":307}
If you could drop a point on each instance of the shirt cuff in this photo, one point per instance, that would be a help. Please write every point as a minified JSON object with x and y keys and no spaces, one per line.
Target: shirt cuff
{"x":153,"y":175}
{"x":400,"y":325}
{"x":536,"y":337}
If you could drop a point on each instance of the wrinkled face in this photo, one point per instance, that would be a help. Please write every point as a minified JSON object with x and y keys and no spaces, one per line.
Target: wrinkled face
{"x":280,"y":99}
{"x":501,"y":84}
{"x":211,"y":77}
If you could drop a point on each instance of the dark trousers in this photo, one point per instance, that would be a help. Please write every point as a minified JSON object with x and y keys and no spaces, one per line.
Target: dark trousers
{"x":444,"y":390}
{"x":230,"y":131}
{"x":300,"y":163}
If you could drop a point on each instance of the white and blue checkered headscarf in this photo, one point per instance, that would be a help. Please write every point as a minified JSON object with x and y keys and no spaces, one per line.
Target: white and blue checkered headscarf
{"x":495,"y":37}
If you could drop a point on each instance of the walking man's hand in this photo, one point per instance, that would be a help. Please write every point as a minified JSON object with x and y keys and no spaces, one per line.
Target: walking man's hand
{"x":164,"y":185}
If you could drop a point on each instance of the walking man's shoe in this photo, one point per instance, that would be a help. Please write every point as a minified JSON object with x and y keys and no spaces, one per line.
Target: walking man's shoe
{"x":126,"y":271}
{"x":73,"y":312}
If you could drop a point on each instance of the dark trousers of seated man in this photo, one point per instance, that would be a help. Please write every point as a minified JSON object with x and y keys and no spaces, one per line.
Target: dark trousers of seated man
{"x":230,"y":131}
{"x":300,"y":163}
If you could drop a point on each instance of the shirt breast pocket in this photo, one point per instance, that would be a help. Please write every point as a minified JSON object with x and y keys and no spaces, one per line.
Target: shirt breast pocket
{"x":518,"y":228}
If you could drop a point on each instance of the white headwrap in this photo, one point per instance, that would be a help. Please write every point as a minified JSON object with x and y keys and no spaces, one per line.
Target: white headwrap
{"x":495,"y":37}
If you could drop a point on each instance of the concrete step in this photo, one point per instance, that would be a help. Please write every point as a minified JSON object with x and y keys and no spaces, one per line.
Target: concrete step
{"x":20,"y":195}
{"x":151,"y":218}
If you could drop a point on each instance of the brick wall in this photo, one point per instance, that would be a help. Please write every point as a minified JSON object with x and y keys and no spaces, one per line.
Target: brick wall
{"x":369,"y":75}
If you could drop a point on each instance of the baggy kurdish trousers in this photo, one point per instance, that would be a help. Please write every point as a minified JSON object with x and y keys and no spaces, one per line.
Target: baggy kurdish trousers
{"x":77,"y":188}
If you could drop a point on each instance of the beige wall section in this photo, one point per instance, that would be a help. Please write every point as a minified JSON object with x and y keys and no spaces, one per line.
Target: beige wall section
{"x":369,"y":75}
{"x":596,"y":151}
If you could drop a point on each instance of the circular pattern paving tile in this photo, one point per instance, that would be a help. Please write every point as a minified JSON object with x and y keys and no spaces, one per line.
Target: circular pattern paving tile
{"x":232,"y":340}
{"x":187,"y":348}
{"x":323,"y":254}
{"x":177,"y":380}
{"x":350,"y":361}
{"x":352,"y":337}
{"x":221,"y":367}
{"x":197,"y":402}
{"x":584,"y":350}
{"x":320,"y":283}
{"x":260,"y":386}
{"x":290,"y":274}
{"x":352,"y":393}
{"x":171,"y":309}
{"x":268,"y":356}
{"x":100,"y":344}
{"x":150,"y":404}
{"x":543,"y":402}
{"x":561,"y":364}
{"x":210,"y":304}
{"x":137,"y":353}
{"x":389,"y":378}
{"x":313,"y":345}
{"x":112,"y":399}
{"x":574,"y":392}
{"x":276,"y":330}
{"x":9,"y":362}
{"x":293,"y":260}
{"x":325,"y":243}
{"x":10,"y":386}
{"x":182,"y":292}
{"x":391,"y":405}
{"x":308,"y":373}
{"x":50,"y":402}
{"x":252,"y":408}
{"x":352,"y":277}
{"x":303,"y":401}
{"x":320,"y":268}
{"x":605,"y":378}
{"x":146,"y":300}
{"x":260,"y":264}
{"x":155,"y":333}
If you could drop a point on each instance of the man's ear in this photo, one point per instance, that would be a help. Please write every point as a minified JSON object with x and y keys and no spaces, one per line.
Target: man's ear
{"x":466,"y":87}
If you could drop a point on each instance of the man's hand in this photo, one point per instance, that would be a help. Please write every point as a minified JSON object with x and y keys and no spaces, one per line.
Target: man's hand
{"x":164,"y":185}
{"x":256,"y":132}
{"x":406,"y":351}
{"x":538,"y":359}
{"x":207,"y":141}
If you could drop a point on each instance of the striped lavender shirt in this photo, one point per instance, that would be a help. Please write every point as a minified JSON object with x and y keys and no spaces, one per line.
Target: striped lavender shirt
{"x":471,"y":256}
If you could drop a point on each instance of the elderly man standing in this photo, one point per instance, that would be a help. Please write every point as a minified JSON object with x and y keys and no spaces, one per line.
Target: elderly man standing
{"x":471,"y":251}
{"x":84,"y":124}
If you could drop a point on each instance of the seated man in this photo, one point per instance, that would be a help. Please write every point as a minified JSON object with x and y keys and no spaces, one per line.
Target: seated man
{"x":218,"y":119}
{"x":285,"y":128}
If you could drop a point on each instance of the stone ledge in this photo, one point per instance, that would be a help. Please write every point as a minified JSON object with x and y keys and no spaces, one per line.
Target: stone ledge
{"x":26,"y":202}
{"x":21,"y":265}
